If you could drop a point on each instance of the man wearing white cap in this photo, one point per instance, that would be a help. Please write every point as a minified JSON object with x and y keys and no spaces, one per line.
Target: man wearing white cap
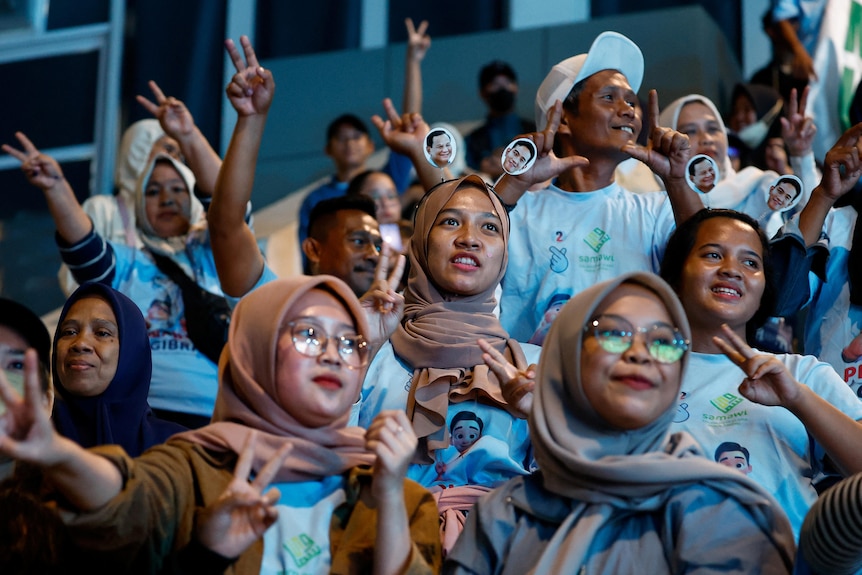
{"x":584,"y":228}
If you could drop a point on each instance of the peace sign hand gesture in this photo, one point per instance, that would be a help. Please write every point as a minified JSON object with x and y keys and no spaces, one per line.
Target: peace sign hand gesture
{"x":516,"y":385}
{"x":172,"y":114}
{"x":383,"y":306}
{"x":768,"y":380}
{"x":252,"y":87}
{"x":667,"y":152}
{"x":41,"y":170}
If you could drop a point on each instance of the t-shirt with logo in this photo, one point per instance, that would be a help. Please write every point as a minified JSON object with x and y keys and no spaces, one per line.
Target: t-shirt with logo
{"x":298,"y":542}
{"x":564,"y":242}
{"x":774,"y":444}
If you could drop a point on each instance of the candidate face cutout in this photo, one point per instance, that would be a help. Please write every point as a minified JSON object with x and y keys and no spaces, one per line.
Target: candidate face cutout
{"x":784,"y":193}
{"x":519,"y":156}
{"x":701,"y":173}
{"x":440,"y":147}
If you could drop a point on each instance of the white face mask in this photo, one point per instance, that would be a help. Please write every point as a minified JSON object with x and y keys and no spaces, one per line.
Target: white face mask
{"x":753,"y":135}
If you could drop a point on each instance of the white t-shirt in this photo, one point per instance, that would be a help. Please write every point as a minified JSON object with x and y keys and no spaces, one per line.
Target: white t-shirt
{"x":298,"y":542}
{"x":779,"y":450}
{"x":564,"y":242}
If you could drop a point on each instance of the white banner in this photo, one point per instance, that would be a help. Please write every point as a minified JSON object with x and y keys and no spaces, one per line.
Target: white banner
{"x":838,"y":64}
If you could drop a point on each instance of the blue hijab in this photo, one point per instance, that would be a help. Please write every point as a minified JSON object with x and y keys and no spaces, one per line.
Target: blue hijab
{"x":119,"y":415}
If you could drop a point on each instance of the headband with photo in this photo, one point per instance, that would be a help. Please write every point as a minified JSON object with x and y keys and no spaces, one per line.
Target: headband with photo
{"x":440,"y":147}
{"x":784,"y":193}
{"x":519,"y":156}
{"x":702,"y":173}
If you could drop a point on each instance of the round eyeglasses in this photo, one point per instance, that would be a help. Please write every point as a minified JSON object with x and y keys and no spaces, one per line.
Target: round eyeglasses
{"x":311,"y":341}
{"x":615,"y":334}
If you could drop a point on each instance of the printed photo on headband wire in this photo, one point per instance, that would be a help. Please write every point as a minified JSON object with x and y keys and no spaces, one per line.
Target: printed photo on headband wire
{"x":702,"y":173}
{"x":784,"y":193}
{"x":440,"y":147}
{"x":519,"y":156}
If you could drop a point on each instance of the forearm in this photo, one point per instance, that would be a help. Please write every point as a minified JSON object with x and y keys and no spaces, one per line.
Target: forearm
{"x":412,"y":85}
{"x":394,"y":545}
{"x":71,"y":221}
{"x":510,"y":190}
{"x":88,"y":481}
{"x":202,"y":159}
{"x":839,"y":435}
{"x":813,"y":216}
{"x":684,"y":201}
{"x":429,"y":176}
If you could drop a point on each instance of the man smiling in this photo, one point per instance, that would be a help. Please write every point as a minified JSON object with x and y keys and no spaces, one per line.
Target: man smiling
{"x":584,"y":228}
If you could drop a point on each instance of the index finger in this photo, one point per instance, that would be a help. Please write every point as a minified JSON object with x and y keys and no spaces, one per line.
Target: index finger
{"x":411,"y":30}
{"x":234,"y":54}
{"x":150,"y":107}
{"x":26,"y":143}
{"x":738,"y":343}
{"x":848,"y":138}
{"x":653,"y":109}
{"x":397,"y":271}
{"x":391,"y":112}
{"x":266,"y":475}
{"x":792,"y":105}
{"x":729,"y":350}
{"x":382,"y":268}
{"x":250,"y":56}
{"x":803,"y":100}
{"x":423,"y":25}
{"x":243,"y":464}
{"x":157,"y":92}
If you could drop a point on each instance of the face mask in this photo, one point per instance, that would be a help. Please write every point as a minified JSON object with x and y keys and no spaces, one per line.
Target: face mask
{"x":753,"y":135}
{"x":16,"y":380}
{"x":501,"y":100}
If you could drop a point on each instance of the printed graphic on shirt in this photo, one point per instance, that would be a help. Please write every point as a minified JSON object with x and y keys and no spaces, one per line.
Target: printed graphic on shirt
{"x":166,"y":322}
{"x":728,"y":411}
{"x":592,"y":264}
{"x":302,"y":549}
{"x":555,"y":304}
{"x":733,"y":455}
{"x":559,"y":261}
{"x":681,"y":409}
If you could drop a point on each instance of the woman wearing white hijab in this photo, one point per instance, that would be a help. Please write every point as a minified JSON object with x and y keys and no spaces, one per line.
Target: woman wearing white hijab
{"x":615,"y":491}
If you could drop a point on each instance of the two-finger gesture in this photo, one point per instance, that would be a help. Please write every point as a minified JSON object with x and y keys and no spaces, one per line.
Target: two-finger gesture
{"x":383,"y":306}
{"x":667,"y":152}
{"x":403,"y":134}
{"x":516,"y":385}
{"x":41,"y":170}
{"x":243,"y":511}
{"x":843,"y":165}
{"x":797,"y":130}
{"x":768,"y":381}
{"x":252,"y":87}
{"x":391,"y":438}
{"x":26,"y":432}
{"x":418,"y":41}
{"x":172,"y":114}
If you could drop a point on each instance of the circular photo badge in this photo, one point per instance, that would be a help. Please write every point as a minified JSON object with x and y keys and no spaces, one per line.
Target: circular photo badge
{"x":519,"y":156}
{"x":440,"y":147}
{"x":784,"y":193}
{"x":701,"y":173}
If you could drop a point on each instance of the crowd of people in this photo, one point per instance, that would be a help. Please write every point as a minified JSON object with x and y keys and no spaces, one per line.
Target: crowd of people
{"x":527,"y":369}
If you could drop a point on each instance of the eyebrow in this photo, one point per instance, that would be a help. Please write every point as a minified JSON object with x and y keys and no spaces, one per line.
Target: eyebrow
{"x":747,"y":251}
{"x":314,"y":323}
{"x":460,"y":211}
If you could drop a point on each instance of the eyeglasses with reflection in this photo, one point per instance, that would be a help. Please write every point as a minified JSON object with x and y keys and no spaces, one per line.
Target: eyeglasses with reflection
{"x":615,"y":334}
{"x":311,"y":341}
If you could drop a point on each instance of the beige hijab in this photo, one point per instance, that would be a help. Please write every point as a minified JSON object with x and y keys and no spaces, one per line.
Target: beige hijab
{"x":606,"y":471}
{"x":248,"y":396}
{"x":437,"y":336}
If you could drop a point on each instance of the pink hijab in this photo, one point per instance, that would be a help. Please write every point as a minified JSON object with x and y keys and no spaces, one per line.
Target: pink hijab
{"x":437,"y":336}
{"x":248,"y":396}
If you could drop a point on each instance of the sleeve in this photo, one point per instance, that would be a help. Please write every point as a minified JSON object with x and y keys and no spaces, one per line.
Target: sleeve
{"x":91,"y":259}
{"x":152,"y":515}
{"x":740,"y":545}
{"x":831,"y":536}
{"x":399,"y":168}
{"x":791,"y":262}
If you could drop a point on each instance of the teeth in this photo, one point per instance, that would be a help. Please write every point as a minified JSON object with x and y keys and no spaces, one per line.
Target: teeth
{"x":627,"y":129}
{"x":728,"y":291}
{"x":468,"y":261}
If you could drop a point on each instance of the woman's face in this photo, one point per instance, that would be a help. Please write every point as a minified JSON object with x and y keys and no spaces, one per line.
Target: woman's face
{"x":316,"y":391}
{"x":704,"y":131}
{"x":88,"y":347}
{"x":722,"y":279}
{"x":167,"y":202}
{"x":630,"y":390}
{"x":743,"y":113}
{"x":465,"y":245}
{"x":380,"y":188}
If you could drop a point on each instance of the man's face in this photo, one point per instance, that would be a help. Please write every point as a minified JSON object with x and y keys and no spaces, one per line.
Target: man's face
{"x":516,"y":158}
{"x":608,"y":116}
{"x":441,"y":149}
{"x":704,"y":176}
{"x":781,"y":196}
{"x":349,"y":148}
{"x":350,"y":249}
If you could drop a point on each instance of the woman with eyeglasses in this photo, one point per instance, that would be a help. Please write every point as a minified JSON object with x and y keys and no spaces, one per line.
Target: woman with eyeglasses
{"x":718,"y":263}
{"x":616,"y":491}
{"x":277,"y":483}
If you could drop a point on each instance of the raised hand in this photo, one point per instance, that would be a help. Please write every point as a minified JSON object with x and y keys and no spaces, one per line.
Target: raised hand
{"x":767,"y":382}
{"x":252,"y":87}
{"x":26,"y":432}
{"x":383,"y":306}
{"x":391,"y":438}
{"x":418,"y":42}
{"x":843,"y":165}
{"x":403,"y":134}
{"x":172,"y":114}
{"x":41,"y":170}
{"x":798,"y":131}
{"x":517,"y":385}
{"x":667,"y":151}
{"x":243,"y":512}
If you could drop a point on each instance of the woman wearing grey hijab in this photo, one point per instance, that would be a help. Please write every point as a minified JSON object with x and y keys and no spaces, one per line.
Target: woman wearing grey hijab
{"x":616,"y":492}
